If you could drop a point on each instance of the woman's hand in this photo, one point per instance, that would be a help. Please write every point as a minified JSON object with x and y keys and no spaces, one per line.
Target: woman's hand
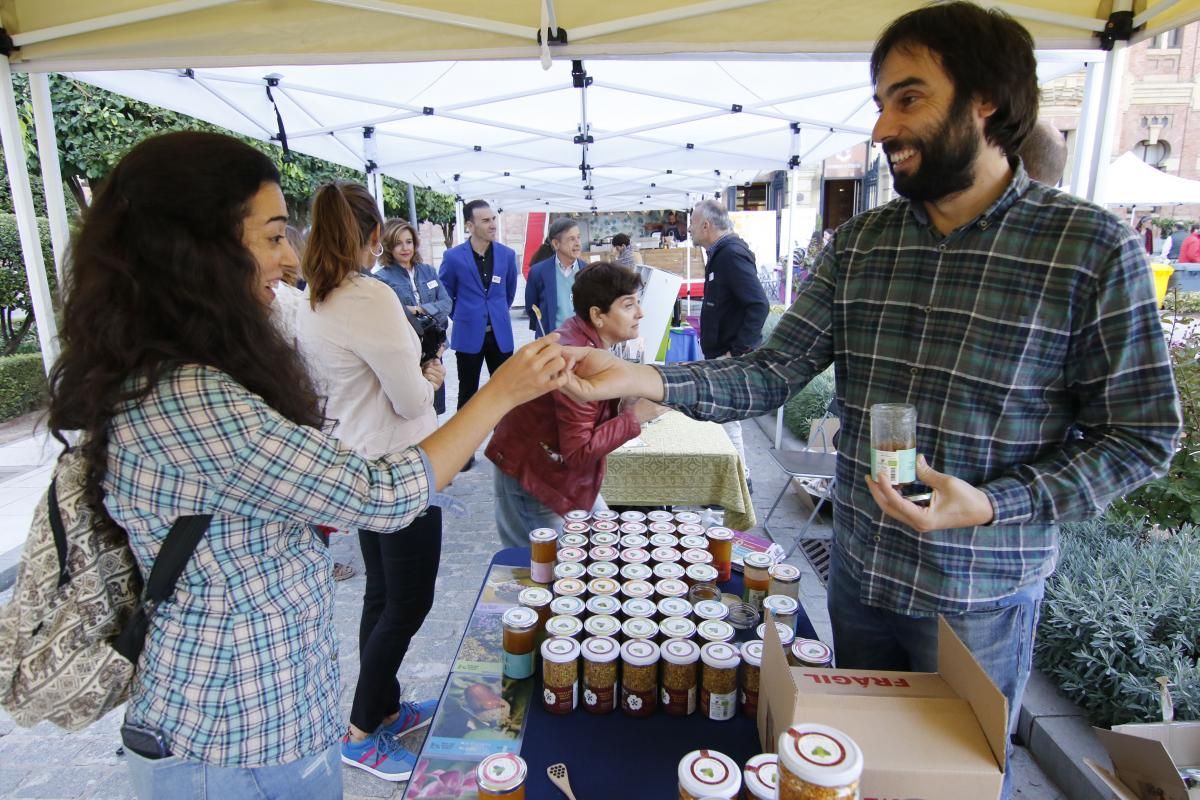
{"x":413,"y":309}
{"x":535,"y":369}
{"x":434,"y":372}
{"x":597,"y":374}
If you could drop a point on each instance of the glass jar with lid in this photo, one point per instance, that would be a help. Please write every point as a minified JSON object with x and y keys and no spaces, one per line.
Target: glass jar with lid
{"x":679,"y":659}
{"x":633,"y":529}
{"x":694,"y":542}
{"x":632,"y":516}
{"x":761,"y":777}
{"x":659,"y":515}
{"x":755,"y":578}
{"x":817,"y":761}
{"x":605,"y":526}
{"x":639,"y":677}
{"x":671,"y":587}
{"x":720,"y":544}
{"x":785,"y":580}
{"x":538,"y":599}
{"x":635,"y":541}
{"x":560,"y":673}
{"x":674,"y":607}
{"x":667,"y":570}
{"x":572,"y":555}
{"x":689,"y":517}
{"x":701,"y":574}
{"x":578,"y":540}
{"x":638,"y":607}
{"x":707,"y":774}
{"x":634,"y":555}
{"x":664,"y":540}
{"x":752,"y":653}
{"x":543,"y":554}
{"x":786,"y":634}
{"x":665,"y":555}
{"x":718,"y":680}
{"x":604,"y":539}
{"x":696,"y":556}
{"x":577,"y":515}
{"x":603,"y":569}
{"x":519,"y":640}
{"x":569,"y":570}
{"x":598,"y":586}
{"x":676,"y":628}
{"x":604,"y":604}
{"x":567,"y":607}
{"x":600,"y":655}
{"x":639,"y":628}
{"x":715,"y":630}
{"x":565,"y":626}
{"x":602,"y":625}
{"x":575,"y":530}
{"x":811,"y":653}
{"x":501,"y":776}
{"x":636,"y":572}
{"x":710,"y":609}
{"x":603,"y":552}
{"x":654,"y":528}
{"x":606,"y":514}
{"x":689,"y":529}
{"x":783,"y":607}
{"x":569,"y":587}
{"x":637,"y":589}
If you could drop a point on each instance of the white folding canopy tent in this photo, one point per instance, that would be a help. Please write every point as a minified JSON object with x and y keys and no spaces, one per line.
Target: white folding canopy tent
{"x":1133,"y":182}
{"x":64,"y":35}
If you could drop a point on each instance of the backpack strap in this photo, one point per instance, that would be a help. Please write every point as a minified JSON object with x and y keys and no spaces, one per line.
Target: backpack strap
{"x":60,"y":532}
{"x":173,"y":556}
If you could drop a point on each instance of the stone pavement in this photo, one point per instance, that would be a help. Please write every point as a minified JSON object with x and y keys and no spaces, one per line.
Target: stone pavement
{"x":44,"y":762}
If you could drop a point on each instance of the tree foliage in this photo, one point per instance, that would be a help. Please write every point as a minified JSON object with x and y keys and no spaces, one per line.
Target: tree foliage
{"x":16,"y":303}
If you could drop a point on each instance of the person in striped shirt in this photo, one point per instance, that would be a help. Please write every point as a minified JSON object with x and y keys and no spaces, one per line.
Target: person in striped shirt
{"x":1019,"y":320}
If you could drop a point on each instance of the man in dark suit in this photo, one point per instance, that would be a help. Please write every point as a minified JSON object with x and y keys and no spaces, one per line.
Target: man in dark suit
{"x":550,"y":281}
{"x":480,"y":276}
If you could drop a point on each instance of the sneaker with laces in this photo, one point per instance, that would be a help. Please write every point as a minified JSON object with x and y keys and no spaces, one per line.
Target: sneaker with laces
{"x":413,"y":716}
{"x":381,"y":755}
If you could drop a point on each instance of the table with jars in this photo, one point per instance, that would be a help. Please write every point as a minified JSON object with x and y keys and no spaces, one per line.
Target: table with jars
{"x":627,"y":645}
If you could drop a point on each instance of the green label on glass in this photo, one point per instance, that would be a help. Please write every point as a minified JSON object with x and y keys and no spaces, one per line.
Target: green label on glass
{"x":899,"y":465}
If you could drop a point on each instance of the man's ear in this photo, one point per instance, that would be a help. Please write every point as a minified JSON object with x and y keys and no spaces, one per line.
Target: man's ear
{"x":984,"y":107}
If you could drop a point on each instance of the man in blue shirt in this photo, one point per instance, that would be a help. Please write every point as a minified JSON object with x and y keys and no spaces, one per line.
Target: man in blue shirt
{"x":549,"y":284}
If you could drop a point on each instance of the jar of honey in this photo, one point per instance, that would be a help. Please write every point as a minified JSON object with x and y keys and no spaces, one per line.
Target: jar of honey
{"x":600,"y":654}
{"x":639,"y":677}
{"x":520,"y":638}
{"x":707,"y":774}
{"x":785,"y":580}
{"x":501,"y":776}
{"x":720,"y":544}
{"x":679,"y":678}
{"x":755,"y":578}
{"x":560,"y":674}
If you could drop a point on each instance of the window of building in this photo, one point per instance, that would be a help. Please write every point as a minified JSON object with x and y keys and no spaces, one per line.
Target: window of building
{"x":1170,"y":40}
{"x":1153,"y":153}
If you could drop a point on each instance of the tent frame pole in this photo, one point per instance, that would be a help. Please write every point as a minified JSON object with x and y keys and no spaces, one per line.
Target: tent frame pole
{"x":47,"y":141}
{"x":793,"y":165}
{"x":27,"y":227}
{"x":116,"y":20}
{"x":1085,"y":136}
{"x":1114,"y":69}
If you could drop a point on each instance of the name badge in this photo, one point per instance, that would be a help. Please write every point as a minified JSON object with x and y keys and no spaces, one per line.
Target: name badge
{"x":431,"y":285}
{"x":712,"y":276}
{"x":495,"y":279}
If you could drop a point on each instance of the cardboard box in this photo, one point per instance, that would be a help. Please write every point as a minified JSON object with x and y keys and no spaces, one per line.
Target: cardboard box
{"x":1147,"y":759}
{"x":924,"y":736}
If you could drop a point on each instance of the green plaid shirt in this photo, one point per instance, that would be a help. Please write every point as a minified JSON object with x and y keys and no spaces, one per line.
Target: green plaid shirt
{"x":1030,"y":344}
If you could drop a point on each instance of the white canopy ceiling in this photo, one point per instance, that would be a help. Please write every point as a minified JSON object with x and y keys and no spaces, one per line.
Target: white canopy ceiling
{"x":1133,"y":182}
{"x":663,"y":132}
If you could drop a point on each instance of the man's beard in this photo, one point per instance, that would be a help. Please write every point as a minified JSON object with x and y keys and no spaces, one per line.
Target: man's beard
{"x":947,"y":158}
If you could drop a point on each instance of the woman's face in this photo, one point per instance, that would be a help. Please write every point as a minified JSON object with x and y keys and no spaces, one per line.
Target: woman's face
{"x":264,"y":235}
{"x":403,"y":250}
{"x":620,"y":322}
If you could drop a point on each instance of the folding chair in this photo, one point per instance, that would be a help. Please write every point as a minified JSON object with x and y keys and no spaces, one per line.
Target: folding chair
{"x":817,"y":461}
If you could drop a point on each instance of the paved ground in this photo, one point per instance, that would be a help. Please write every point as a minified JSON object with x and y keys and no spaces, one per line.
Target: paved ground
{"x":44,"y":762}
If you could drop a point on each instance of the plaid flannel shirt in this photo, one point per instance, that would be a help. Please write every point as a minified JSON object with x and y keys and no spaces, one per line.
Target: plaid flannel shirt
{"x":1030,"y":344}
{"x":240,"y":666}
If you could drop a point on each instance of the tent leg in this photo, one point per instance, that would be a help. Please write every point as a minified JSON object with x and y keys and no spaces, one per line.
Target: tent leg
{"x":412,"y":205}
{"x":1085,"y":136}
{"x":31,"y":248}
{"x":459,"y":225}
{"x":1114,"y":68}
{"x":788,"y":209}
{"x":47,"y":139}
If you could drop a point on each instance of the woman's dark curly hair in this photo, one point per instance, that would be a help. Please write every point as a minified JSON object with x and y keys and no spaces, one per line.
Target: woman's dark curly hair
{"x":158,"y":277}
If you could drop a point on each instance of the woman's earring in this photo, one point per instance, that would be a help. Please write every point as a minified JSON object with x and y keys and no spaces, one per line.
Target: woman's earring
{"x":377,"y":250}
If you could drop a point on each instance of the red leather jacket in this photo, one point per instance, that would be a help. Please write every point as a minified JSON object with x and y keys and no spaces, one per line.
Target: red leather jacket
{"x":554,"y":447}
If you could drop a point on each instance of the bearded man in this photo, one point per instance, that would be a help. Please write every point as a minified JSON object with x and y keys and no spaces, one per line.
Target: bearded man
{"x":1019,"y":321}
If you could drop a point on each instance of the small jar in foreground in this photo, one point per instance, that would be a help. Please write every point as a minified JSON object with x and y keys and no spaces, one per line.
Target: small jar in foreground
{"x":639,"y":677}
{"x":817,"y":762}
{"x":519,"y":639}
{"x":501,"y":776}
{"x":600,"y":655}
{"x":707,"y":773}
{"x":560,"y":674}
{"x":718,"y":680}
{"x":761,"y":777}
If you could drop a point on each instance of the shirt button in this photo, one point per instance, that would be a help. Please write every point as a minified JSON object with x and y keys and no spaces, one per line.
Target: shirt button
{"x":928,"y":309}
{"x":941,"y":248}
{"x":877,"y":537}
{"x":913,"y":370}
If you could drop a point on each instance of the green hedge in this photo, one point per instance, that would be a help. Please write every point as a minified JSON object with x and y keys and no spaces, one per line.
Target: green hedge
{"x":23,"y":385}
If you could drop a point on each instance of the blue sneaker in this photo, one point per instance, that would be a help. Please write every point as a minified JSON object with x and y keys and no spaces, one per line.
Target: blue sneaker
{"x":413,"y":717}
{"x":381,"y":755}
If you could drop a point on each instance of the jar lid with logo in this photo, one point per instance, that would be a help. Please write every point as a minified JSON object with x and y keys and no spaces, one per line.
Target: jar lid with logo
{"x":690,"y":529}
{"x":564,"y":625}
{"x":501,"y":772}
{"x":606,"y":514}
{"x":605,"y":539}
{"x":757,"y":561}
{"x":639,"y":628}
{"x":571,"y":569}
{"x":561,"y":649}
{"x":572,"y":555}
{"x":668,"y":570}
{"x":781,"y":604}
{"x":761,"y":776}
{"x":566,"y":606}
{"x":786,"y":634}
{"x":603,"y":569}
{"x":752,"y":652}
{"x":687,"y":516}
{"x":812,"y":653}
{"x":664,"y":527}
{"x":665,"y":555}
{"x":634,"y":541}
{"x":680,"y":651}
{"x":637,"y":572}
{"x":635,"y":555}
{"x":639,"y":653}
{"x":715,"y":630}
{"x":707,"y":773}
{"x":602,"y":625}
{"x":677,"y":628}
{"x":664,"y":540}
{"x":575,"y":534}
{"x":720,"y":533}
{"x":519,"y":618}
{"x":638,"y":607}
{"x":697,"y":556}
{"x":674,"y":607}
{"x":671,"y":587}
{"x":535,"y":597}
{"x":693,"y":542}
{"x":785,"y":573}
{"x":542,"y":535}
{"x":577,"y":515}
{"x":633,"y":529}
{"x":659,"y":515}
{"x":569,"y":587}
{"x":633,"y":589}
{"x":603,"y":586}
{"x":711,"y":609}
{"x":632,"y":516}
{"x":820,"y":755}
{"x":701,"y":573}
{"x":603,"y":552}
{"x":604,"y":604}
{"x":605,"y":526}
{"x":601,"y":649}
{"x":720,"y":655}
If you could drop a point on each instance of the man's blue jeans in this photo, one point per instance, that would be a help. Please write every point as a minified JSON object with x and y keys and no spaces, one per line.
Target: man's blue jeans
{"x":518,"y":512}
{"x":1000,"y":637}
{"x":318,"y":777}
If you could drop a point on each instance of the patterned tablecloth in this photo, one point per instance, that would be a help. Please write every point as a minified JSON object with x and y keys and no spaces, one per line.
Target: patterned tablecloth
{"x":681,"y":462}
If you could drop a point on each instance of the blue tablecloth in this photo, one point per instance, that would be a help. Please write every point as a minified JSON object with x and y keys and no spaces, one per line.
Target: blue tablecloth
{"x":613,"y":755}
{"x":683,"y":345}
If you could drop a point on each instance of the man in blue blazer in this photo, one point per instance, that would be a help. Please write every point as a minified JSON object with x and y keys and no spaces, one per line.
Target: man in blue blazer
{"x":480,"y":276}
{"x":550,"y":282}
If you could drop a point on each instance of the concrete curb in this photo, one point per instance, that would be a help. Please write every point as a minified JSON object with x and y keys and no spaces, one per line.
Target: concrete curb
{"x":1059,"y":737}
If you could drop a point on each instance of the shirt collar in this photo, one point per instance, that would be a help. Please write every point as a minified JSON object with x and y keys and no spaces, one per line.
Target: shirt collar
{"x":1016,"y":188}
{"x":564,"y":268}
{"x":720,"y":239}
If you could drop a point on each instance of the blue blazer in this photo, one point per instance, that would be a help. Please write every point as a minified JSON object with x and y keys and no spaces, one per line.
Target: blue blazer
{"x":477,"y":306}
{"x":541,"y":290}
